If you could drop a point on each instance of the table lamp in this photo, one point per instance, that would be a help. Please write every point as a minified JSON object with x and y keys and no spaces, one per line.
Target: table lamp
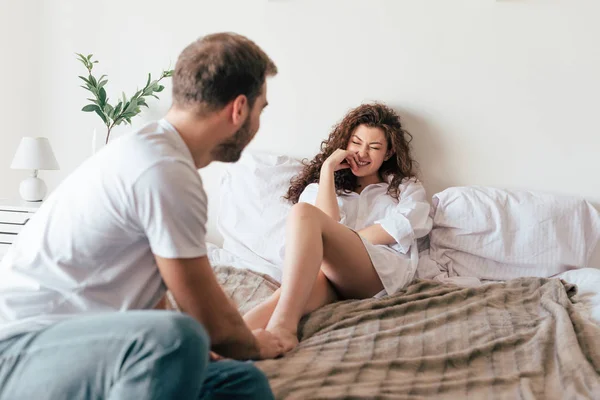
{"x":34,"y":153}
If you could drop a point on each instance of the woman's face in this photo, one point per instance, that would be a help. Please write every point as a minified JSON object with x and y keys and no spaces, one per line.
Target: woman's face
{"x":370,"y":146}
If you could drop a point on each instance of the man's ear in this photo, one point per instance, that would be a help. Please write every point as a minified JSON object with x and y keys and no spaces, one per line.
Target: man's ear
{"x":240,"y":110}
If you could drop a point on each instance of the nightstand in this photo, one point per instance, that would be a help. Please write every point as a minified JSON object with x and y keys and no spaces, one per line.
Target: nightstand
{"x":14,"y":214}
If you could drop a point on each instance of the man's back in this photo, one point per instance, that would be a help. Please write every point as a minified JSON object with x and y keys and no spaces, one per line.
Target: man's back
{"x":90,"y":246}
{"x":127,"y":220}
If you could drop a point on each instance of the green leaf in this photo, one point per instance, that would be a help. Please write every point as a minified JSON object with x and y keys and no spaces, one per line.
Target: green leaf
{"x":108,"y":109}
{"x":89,"y":56}
{"x":149,"y":79}
{"x":131,"y":106}
{"x":102,"y":97}
{"x":155,"y":96}
{"x":101,"y":114}
{"x":93,"y":100}
{"x":85,"y":80}
{"x":82,"y":58}
{"x":93,"y":80}
{"x":102,"y":83}
{"x":117,"y":109}
{"x":160,"y":88}
{"x":124,"y":98}
{"x":90,"y":108}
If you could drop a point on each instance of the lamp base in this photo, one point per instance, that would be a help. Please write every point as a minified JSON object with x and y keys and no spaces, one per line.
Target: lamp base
{"x":33,"y":189}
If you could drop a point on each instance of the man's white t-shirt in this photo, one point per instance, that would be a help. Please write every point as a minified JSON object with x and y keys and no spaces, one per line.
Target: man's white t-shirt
{"x":90,"y":247}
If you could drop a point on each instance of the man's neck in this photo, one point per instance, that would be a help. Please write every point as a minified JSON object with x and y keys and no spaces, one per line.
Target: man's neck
{"x":200,"y":134}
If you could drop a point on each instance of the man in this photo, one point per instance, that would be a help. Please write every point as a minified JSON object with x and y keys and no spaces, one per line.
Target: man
{"x":125,"y":223}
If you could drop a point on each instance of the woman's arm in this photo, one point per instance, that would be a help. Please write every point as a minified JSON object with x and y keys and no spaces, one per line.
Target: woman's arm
{"x":405,"y":222}
{"x":326,"y":196}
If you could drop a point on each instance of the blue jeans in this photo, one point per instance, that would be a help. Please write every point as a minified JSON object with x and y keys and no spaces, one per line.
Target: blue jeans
{"x":132,"y":355}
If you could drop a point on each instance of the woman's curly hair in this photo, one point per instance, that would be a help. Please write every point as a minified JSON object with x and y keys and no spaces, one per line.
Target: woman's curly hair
{"x":375,"y":115}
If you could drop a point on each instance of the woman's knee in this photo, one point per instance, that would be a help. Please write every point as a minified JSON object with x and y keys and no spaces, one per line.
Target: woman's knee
{"x":302,"y":211}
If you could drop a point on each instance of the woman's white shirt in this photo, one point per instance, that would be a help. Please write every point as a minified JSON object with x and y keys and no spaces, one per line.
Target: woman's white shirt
{"x":406,"y":220}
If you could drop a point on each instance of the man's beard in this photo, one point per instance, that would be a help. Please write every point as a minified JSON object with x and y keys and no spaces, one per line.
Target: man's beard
{"x":231,"y":149}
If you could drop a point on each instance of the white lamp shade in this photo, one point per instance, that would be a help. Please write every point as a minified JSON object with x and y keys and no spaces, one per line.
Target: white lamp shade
{"x":34,"y":153}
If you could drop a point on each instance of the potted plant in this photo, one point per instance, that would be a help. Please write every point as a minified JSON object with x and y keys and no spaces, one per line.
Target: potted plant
{"x":125,"y":108}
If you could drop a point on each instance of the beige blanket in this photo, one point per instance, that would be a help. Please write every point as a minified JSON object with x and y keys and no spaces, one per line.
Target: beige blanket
{"x":520,"y":339}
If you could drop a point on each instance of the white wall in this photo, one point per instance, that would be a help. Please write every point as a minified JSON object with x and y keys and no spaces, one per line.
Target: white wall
{"x":499,"y":93}
{"x":19,"y":74}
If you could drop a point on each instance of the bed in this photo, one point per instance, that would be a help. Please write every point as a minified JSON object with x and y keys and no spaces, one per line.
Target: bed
{"x":528,"y":338}
{"x":502,"y":306}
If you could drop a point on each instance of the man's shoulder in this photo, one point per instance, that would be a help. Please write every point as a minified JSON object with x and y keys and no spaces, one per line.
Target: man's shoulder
{"x":151,"y":139}
{"x":150,"y":148}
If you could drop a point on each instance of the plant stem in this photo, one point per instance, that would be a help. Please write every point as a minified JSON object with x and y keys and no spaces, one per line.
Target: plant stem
{"x":108,"y":134}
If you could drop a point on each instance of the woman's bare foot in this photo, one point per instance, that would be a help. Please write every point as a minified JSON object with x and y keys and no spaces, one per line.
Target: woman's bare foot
{"x":288,"y":338}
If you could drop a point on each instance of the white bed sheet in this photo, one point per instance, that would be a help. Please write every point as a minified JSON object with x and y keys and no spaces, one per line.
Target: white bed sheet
{"x":587,"y":299}
{"x":221,"y":257}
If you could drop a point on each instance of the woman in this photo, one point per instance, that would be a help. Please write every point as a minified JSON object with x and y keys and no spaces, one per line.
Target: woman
{"x":352,"y":233}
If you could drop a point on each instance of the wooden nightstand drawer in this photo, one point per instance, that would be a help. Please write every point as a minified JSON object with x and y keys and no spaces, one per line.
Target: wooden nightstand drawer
{"x":3,"y":249}
{"x":10,"y":228}
{"x":14,"y":214}
{"x":14,"y":217}
{"x":8,"y":238}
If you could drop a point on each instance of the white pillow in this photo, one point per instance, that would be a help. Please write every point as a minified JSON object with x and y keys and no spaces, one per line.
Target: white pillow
{"x":499,"y":234}
{"x":252,"y":209}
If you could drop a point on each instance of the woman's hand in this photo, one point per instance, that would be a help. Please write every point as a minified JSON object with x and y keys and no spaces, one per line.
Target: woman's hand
{"x":340,"y":159}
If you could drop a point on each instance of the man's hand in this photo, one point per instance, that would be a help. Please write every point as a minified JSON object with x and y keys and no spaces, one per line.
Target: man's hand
{"x":197,"y":293}
{"x":216,"y":357}
{"x":269,"y":345}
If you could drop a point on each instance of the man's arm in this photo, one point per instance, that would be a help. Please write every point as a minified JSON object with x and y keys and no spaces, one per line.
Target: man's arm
{"x":197,"y":292}
{"x":169,"y":205}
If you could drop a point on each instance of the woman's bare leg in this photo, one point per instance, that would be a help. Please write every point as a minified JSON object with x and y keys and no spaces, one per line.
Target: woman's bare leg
{"x":322,"y":294}
{"x":316,"y":242}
